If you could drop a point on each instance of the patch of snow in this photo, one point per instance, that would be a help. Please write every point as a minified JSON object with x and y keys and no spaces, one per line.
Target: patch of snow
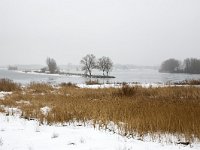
{"x":23,"y":102}
{"x":3,"y":94}
{"x":45,"y":74}
{"x":96,"y":86}
{"x":67,"y":94}
{"x":39,"y":93}
{"x":45,"y":110}
{"x":145,"y":85}
{"x":12,"y":111}
{"x":20,"y":134}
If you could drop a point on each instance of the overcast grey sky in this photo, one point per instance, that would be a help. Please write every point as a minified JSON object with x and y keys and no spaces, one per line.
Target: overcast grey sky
{"x":141,"y":32}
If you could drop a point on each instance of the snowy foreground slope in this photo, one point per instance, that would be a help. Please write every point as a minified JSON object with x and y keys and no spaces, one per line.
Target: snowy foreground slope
{"x":19,"y":134}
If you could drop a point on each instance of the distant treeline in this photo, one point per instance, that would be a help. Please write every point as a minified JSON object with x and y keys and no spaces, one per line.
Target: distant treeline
{"x":189,"y":65}
{"x":12,"y":68}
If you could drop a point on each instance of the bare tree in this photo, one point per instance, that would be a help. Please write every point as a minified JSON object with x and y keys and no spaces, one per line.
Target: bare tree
{"x":52,"y":66}
{"x":105,"y":64}
{"x":108,"y":65}
{"x":101,"y":64}
{"x":89,"y":63}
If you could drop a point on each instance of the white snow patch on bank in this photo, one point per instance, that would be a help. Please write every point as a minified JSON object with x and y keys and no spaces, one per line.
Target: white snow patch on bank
{"x":12,"y":110}
{"x":23,"y":102}
{"x":45,"y":110}
{"x":117,"y":85}
{"x":3,"y":94}
{"x":96,"y":86}
{"x":20,"y":134}
{"x":37,"y":73}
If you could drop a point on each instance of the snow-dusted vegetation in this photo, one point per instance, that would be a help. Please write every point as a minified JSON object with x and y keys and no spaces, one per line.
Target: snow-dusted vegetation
{"x":42,"y":116}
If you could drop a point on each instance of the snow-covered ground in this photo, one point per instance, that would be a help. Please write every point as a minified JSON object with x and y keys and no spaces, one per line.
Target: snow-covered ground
{"x":95,"y":86}
{"x":20,"y":134}
{"x":144,"y":85}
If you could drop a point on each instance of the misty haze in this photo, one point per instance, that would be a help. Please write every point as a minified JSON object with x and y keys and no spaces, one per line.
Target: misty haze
{"x":70,"y":69}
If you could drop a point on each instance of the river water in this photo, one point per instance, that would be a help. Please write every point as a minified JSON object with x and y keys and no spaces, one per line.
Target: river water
{"x":133,"y":75}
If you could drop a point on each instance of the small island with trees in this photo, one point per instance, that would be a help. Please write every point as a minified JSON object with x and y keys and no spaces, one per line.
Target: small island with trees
{"x":88,"y":64}
{"x":189,"y":65}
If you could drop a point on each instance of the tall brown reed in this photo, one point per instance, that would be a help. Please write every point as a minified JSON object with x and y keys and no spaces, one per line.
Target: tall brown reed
{"x":8,"y":85}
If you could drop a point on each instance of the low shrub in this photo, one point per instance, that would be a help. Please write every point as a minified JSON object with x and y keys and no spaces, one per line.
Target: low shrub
{"x":69,"y":84}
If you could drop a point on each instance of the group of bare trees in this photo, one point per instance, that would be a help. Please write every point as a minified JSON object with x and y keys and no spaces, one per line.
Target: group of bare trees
{"x":189,"y":65}
{"x":89,"y":62}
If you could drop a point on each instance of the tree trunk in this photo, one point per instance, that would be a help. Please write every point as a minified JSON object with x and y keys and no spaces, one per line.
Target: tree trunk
{"x":90,"y":74}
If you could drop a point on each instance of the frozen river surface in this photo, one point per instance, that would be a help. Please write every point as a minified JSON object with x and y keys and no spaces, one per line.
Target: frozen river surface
{"x":134,"y":75}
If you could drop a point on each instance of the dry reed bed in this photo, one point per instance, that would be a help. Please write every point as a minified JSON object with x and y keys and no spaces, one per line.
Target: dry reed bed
{"x":8,"y":85}
{"x":173,"y":110}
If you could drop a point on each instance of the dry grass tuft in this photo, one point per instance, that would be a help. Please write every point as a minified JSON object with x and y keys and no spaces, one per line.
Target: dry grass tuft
{"x":126,"y":90}
{"x":2,"y":110}
{"x":8,"y":85}
{"x":135,"y":110}
{"x":69,"y":84}
{"x":40,"y":87}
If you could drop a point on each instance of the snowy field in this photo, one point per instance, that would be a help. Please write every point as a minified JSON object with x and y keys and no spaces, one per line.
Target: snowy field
{"x":20,"y":134}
